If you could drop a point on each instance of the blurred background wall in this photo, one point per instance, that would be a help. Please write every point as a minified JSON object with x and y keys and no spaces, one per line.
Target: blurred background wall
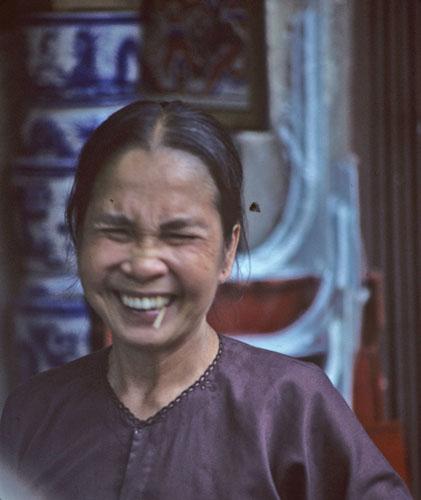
{"x":386,"y":118}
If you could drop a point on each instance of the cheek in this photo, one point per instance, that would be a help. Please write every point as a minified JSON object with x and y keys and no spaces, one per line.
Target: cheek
{"x":199,"y":269}
{"x":88,"y":268}
{"x":95,"y":258}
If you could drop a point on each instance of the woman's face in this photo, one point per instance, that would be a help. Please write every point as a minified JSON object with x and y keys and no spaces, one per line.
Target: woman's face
{"x":153,"y":239}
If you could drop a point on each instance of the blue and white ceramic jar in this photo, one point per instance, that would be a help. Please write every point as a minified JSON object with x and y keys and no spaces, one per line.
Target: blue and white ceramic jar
{"x":80,"y":68}
{"x":51,"y":323}
{"x":83,"y":55}
{"x":57,"y":133}
{"x":41,"y":192}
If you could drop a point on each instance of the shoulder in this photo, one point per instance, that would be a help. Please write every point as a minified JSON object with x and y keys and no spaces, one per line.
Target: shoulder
{"x":46,"y":386}
{"x":46,"y":401}
{"x":306,"y":424}
{"x":258,"y":379}
{"x":272,"y":368}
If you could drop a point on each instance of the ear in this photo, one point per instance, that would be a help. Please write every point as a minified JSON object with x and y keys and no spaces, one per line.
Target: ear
{"x":229,"y":254}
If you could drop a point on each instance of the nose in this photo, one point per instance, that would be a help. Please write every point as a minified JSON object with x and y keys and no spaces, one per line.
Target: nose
{"x":144,"y":263}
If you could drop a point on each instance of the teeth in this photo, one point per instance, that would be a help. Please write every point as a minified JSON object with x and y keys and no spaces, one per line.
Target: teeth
{"x":145,"y":303}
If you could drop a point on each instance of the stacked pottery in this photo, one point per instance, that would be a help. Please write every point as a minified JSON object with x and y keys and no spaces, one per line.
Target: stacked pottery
{"x":79,"y":68}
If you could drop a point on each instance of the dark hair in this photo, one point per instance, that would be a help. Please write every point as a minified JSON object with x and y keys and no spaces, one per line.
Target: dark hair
{"x":180,"y":127}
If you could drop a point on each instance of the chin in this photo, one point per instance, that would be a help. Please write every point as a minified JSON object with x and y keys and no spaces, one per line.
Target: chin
{"x":149,"y":339}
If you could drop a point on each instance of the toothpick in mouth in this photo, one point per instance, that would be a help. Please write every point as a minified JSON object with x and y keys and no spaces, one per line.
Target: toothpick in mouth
{"x":159,"y":318}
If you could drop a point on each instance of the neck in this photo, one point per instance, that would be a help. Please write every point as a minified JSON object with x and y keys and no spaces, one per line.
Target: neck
{"x":147,"y":380}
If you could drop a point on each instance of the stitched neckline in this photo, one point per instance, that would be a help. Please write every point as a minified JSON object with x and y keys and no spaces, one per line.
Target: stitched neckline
{"x":203,"y":382}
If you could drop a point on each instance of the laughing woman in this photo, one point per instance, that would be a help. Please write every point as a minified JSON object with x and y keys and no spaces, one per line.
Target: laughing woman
{"x":173,"y":410}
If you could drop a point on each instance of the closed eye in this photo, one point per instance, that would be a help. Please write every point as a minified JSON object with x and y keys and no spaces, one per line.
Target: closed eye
{"x":181,"y":236}
{"x":120,"y":234}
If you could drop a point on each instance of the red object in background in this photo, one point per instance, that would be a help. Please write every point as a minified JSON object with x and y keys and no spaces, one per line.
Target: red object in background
{"x":261,"y":306}
{"x":370,"y":384}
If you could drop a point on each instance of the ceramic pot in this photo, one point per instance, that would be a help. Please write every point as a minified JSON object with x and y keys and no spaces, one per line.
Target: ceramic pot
{"x":59,"y":132}
{"x":82,"y":55}
{"x":40,"y":196}
{"x":51,"y":323}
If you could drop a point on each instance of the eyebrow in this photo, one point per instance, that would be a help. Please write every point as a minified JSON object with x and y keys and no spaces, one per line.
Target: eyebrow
{"x":113,"y":219}
{"x":182,"y":223}
{"x":171,"y":225}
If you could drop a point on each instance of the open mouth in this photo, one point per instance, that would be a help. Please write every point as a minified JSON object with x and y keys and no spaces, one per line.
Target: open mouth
{"x":149,"y":303}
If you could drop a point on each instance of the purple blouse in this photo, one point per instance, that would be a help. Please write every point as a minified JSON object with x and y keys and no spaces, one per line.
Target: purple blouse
{"x":256,"y":425}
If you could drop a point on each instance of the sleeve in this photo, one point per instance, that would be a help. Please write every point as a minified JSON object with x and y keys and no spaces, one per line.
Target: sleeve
{"x":337,"y":459}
